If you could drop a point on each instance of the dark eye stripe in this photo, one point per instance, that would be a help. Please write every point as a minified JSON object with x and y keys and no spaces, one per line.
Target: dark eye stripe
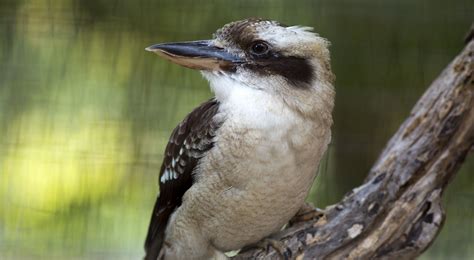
{"x":297,"y":71}
{"x":242,"y":34}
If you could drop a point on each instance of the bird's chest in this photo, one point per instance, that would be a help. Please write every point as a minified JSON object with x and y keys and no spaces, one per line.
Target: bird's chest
{"x":263,"y":175}
{"x":269,"y":155}
{"x":257,"y":174}
{"x":261,"y":137}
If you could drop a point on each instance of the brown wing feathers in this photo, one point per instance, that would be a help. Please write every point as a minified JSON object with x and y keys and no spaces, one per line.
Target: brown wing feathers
{"x":188,"y":143}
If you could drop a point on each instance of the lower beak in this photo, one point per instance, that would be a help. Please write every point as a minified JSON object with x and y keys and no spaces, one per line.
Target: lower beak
{"x":201,"y":55}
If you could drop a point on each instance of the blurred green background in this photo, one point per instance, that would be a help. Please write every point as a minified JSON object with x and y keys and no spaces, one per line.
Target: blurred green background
{"x":85,"y":112}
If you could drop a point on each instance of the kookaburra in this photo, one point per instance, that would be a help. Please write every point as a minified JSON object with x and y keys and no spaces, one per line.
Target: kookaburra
{"x":240,"y":165}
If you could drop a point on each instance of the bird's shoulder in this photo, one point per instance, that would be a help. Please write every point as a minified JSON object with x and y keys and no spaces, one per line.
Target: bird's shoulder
{"x":189,"y":141}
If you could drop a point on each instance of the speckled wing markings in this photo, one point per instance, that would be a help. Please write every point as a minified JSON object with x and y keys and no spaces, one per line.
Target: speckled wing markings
{"x":188,"y":143}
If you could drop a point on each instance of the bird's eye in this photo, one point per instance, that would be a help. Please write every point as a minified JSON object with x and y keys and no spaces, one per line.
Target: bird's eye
{"x":259,"y":48}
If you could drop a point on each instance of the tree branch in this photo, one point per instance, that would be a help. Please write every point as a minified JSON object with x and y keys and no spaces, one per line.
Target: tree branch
{"x":397,"y":212}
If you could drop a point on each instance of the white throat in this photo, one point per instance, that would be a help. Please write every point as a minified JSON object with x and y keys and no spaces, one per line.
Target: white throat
{"x":252,"y":107}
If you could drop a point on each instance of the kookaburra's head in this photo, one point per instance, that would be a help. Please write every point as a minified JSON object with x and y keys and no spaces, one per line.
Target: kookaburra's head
{"x":290,"y":63}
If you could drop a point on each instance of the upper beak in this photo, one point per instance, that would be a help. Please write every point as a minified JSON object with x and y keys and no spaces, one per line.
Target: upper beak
{"x":202,"y":55}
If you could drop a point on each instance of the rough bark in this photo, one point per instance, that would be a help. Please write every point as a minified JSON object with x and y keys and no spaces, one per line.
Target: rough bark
{"x":397,"y":212}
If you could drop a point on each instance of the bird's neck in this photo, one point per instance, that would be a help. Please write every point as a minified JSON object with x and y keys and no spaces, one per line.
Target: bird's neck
{"x":254,"y":108}
{"x":259,"y":106}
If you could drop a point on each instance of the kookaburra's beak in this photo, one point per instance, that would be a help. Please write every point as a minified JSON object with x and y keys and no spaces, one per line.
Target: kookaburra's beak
{"x":201,"y":55}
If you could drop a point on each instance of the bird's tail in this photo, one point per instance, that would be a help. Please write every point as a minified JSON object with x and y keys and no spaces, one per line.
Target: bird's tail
{"x":156,"y":232}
